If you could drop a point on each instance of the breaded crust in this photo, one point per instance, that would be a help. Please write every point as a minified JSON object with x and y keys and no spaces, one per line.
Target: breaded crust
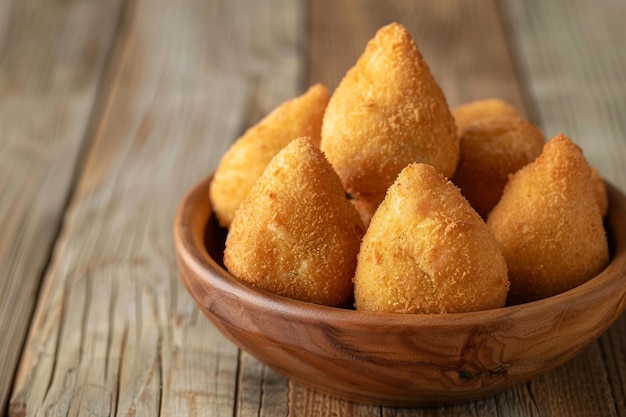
{"x":296,"y":234}
{"x":549,"y":224}
{"x":387,"y":112}
{"x":479,"y":109}
{"x":491,"y":149}
{"x":246,"y":159}
{"x":599,"y":191}
{"x":427,"y":251}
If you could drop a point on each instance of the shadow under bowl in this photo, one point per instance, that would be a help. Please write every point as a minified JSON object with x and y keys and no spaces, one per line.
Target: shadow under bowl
{"x":397,"y":359}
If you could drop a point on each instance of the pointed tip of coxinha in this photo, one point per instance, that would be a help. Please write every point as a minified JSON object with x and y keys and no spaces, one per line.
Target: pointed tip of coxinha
{"x":246,"y":159}
{"x":393,"y":35}
{"x":387,"y":112}
{"x":395,"y":42}
{"x":296,"y":234}
{"x":571,"y":152}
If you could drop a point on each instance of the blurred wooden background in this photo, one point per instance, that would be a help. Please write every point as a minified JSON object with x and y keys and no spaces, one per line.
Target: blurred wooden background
{"x":111,"y":110}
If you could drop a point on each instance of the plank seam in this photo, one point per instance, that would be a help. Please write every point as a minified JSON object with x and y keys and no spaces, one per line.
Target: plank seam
{"x":515,"y":57}
{"x":238,"y":376}
{"x":605,"y":365}
{"x":71,"y":190}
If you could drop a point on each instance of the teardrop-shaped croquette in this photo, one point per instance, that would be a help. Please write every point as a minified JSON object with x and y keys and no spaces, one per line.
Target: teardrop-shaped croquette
{"x":491,"y":149}
{"x":548,"y":224}
{"x":296,"y":234}
{"x":246,"y":159}
{"x":427,"y":251}
{"x":387,"y":112}
{"x":480,"y":109}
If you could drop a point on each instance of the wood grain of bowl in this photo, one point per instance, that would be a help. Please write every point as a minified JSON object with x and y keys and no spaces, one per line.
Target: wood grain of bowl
{"x":397,"y":359}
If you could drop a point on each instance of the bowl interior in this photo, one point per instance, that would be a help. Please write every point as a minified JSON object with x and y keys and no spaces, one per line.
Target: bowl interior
{"x":397,"y":359}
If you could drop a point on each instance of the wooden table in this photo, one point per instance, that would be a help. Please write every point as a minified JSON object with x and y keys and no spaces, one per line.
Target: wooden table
{"x":111,"y":110}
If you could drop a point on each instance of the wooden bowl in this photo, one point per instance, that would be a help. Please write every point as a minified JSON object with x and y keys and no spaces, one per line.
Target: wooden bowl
{"x":397,"y":359}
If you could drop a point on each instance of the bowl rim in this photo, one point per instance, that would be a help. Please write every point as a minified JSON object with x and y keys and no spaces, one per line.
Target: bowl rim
{"x":195,"y":208}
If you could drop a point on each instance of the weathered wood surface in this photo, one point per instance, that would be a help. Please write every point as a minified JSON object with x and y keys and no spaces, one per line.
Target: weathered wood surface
{"x":463,"y":43}
{"x":51,"y":63}
{"x":573,"y":61}
{"x":114,"y":332}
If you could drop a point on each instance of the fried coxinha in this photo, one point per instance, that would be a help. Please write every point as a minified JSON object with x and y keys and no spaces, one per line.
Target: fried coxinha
{"x":298,"y":220}
{"x":246,"y":159}
{"x":387,"y":112}
{"x":492,"y":148}
{"x":427,"y":251}
{"x":549,"y":223}
{"x":296,"y":234}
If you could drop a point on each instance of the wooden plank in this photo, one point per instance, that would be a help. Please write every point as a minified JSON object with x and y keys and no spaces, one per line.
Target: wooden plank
{"x":573,"y":59}
{"x":262,"y":392}
{"x":51,"y":64}
{"x":462,"y":42}
{"x":306,"y":402}
{"x":613,"y":351}
{"x":115,"y":332}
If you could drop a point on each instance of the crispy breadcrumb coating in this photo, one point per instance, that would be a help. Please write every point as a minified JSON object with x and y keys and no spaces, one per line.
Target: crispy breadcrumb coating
{"x":479,"y":109}
{"x":548,"y":224}
{"x":599,"y":191}
{"x":427,"y":251}
{"x":387,"y":112}
{"x":491,"y":149}
{"x":296,"y":234}
{"x":246,"y":159}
